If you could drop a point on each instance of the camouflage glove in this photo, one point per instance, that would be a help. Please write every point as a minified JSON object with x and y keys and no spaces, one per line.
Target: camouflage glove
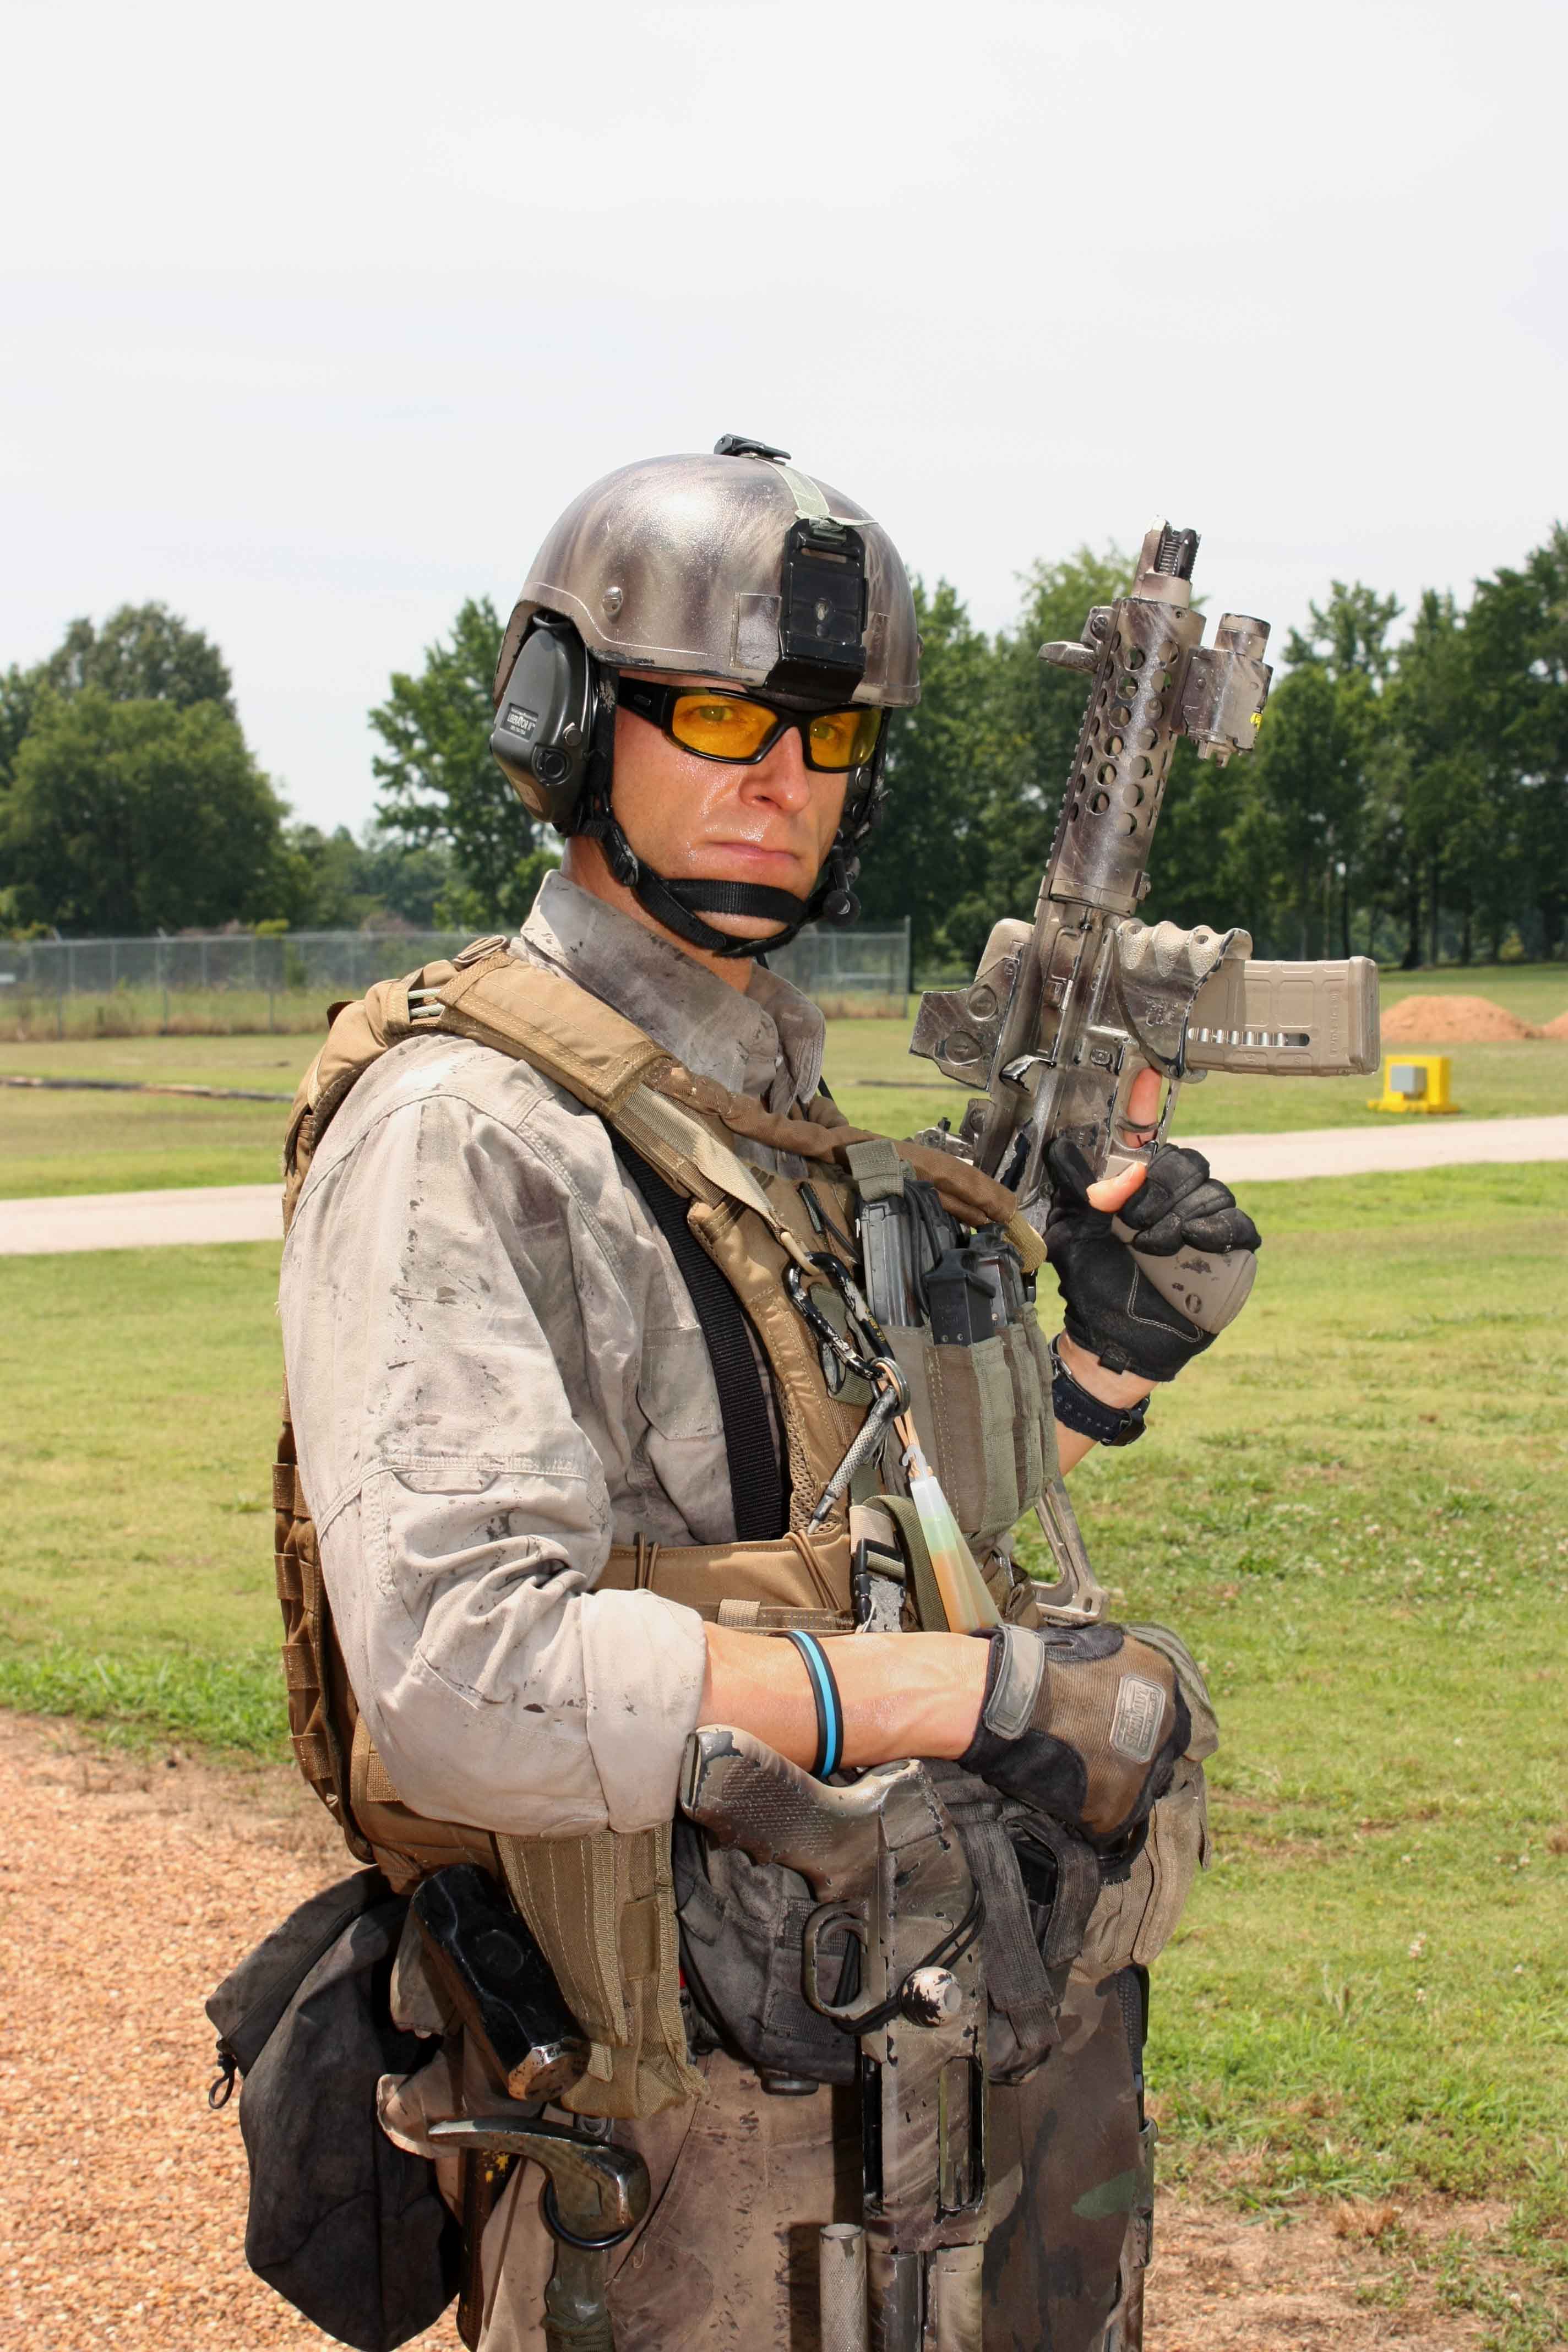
{"x":1112,"y":1309}
{"x":1083,"y":1722}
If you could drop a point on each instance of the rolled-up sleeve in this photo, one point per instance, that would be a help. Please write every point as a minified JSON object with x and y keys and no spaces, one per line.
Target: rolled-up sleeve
{"x":462,"y":1361}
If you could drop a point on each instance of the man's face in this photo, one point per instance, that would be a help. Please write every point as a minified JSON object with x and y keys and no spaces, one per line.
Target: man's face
{"x":694,"y":819}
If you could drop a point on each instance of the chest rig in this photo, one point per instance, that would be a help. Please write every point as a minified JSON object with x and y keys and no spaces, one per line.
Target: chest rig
{"x":602,"y":1908}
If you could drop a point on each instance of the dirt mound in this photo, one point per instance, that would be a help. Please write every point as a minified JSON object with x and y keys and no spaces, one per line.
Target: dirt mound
{"x":1452,"y":1021}
{"x":1558,"y":1028}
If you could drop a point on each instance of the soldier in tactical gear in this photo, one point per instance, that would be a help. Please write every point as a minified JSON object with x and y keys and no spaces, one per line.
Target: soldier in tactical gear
{"x":559,"y":1463}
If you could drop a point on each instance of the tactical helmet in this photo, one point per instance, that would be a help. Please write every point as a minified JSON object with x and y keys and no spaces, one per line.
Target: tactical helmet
{"x":733,"y":566}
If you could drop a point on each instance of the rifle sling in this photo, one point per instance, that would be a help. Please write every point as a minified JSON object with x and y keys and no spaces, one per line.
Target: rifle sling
{"x":757,"y":1484}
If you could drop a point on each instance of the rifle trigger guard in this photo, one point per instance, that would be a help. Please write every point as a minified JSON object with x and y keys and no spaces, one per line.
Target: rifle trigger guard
{"x":852,"y":1916}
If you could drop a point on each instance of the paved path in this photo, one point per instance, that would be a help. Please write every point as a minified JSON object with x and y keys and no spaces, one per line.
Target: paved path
{"x":1407,"y":1141}
{"x":96,"y":1221}
{"x":249,"y":1212}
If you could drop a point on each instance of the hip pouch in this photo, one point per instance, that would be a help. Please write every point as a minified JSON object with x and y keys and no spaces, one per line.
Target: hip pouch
{"x":345,"y":2226}
{"x":743,"y":1926}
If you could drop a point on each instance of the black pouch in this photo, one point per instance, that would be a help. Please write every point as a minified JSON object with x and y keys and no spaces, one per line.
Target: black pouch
{"x":743,"y":1925}
{"x":348,"y":2227}
{"x":741,"y":1928}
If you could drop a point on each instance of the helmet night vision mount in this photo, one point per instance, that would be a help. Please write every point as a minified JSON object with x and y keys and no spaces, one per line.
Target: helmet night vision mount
{"x":735,"y":567}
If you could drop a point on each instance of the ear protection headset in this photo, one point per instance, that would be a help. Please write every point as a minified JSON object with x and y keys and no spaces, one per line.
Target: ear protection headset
{"x":554,"y":739}
{"x":553,"y":717}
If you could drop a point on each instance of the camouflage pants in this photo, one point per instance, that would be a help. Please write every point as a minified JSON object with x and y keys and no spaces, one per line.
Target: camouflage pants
{"x":743,"y":2181}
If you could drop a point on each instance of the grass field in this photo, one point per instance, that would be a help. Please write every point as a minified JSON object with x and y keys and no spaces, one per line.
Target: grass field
{"x":1538,"y":993}
{"x":144,"y":1386}
{"x":64,"y":1143}
{"x":1356,"y":1513}
{"x":1353,"y":1508}
{"x":210,"y":1012}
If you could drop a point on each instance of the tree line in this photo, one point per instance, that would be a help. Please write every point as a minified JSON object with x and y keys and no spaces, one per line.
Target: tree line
{"x":1407,"y":796}
{"x":131,"y":803}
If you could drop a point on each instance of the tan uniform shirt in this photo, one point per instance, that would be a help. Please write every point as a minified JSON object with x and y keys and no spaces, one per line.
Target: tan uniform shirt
{"x":495,"y":1374}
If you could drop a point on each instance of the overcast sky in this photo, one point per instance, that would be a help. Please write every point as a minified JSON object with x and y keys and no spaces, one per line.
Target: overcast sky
{"x":316,"y":315}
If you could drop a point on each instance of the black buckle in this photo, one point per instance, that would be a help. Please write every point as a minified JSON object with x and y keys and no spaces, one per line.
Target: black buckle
{"x":741,"y":445}
{"x":220,"y":2090}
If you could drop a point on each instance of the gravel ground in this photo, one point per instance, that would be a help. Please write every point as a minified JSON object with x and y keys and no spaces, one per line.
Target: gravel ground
{"x":130,"y":1888}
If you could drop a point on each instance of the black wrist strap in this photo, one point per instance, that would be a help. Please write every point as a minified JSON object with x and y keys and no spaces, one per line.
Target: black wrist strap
{"x":1090,"y":1416}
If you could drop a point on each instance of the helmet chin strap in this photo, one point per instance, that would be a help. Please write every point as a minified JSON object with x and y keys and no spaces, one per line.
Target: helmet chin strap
{"x":673,"y":905}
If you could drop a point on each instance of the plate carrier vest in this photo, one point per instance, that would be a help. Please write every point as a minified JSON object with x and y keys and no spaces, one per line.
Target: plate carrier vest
{"x":602,"y":1908}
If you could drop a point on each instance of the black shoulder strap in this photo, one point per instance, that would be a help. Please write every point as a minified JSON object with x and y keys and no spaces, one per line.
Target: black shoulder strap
{"x":756,"y":1477}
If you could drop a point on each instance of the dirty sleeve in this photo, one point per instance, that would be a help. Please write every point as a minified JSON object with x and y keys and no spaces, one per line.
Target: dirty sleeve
{"x":460,"y":1303}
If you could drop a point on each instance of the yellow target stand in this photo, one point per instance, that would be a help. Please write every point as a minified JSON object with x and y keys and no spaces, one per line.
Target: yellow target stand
{"x":1416,"y":1082}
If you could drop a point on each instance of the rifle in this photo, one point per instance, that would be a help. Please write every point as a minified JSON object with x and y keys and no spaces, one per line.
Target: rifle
{"x":1063,"y":1017}
{"x":889,"y":1872}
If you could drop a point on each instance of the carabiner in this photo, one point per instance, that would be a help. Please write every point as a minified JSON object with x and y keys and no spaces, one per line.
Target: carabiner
{"x":874,"y":1342}
{"x":817,"y":1322}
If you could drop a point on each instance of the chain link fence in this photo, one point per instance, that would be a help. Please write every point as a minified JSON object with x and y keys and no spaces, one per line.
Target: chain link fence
{"x":850,"y":972}
{"x":231,"y":983}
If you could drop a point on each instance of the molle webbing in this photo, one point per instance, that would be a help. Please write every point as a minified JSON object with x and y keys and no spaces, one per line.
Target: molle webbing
{"x":602,"y":1909}
{"x":312,"y":1679}
{"x":767,"y":1586}
{"x":818,"y":1429}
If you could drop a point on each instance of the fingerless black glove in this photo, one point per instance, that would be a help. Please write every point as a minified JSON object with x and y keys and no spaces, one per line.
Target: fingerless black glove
{"x":1084,"y":1723}
{"x":1111,"y":1307}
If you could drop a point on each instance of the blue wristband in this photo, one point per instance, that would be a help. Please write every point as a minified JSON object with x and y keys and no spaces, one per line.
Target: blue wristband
{"x":829,"y":1706}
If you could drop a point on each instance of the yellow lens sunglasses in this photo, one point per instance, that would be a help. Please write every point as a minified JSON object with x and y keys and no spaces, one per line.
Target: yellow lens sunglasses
{"x":741,"y":729}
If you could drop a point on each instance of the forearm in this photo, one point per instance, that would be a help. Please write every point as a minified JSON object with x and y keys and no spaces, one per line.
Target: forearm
{"x":1120,"y":1389}
{"x":903,"y":1694}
